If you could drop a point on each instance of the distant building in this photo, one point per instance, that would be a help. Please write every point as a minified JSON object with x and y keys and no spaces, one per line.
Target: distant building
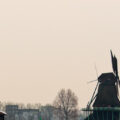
{"x":14,"y":113}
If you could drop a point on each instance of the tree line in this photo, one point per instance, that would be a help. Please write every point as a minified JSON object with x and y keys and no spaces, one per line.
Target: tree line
{"x":64,"y":107}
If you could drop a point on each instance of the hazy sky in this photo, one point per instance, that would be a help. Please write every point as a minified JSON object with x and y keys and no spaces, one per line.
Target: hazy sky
{"x":46,"y":45}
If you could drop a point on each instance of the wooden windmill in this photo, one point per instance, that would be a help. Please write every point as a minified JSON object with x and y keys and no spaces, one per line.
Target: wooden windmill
{"x":108,"y":84}
{"x":105,"y":100}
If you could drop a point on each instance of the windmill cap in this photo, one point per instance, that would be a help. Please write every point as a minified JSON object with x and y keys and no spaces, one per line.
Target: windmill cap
{"x":107,"y":76}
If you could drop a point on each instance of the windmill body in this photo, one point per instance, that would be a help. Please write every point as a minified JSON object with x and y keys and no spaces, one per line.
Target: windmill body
{"x":107,"y":91}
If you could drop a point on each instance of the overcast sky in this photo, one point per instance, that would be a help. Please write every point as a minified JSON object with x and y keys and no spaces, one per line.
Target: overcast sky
{"x":46,"y":45}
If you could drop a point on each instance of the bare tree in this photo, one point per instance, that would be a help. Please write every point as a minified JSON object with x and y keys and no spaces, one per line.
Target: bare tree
{"x":66,"y":105}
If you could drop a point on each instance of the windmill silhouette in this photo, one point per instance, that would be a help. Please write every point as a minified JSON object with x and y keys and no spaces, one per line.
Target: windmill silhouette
{"x":107,"y":85}
{"x":105,"y":98}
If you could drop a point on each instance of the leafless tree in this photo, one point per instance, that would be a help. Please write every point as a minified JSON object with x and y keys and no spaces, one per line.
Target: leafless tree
{"x":66,"y":105}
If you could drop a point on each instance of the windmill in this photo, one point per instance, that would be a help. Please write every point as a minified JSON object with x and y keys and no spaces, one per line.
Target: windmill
{"x":107,"y":85}
{"x":105,"y":98}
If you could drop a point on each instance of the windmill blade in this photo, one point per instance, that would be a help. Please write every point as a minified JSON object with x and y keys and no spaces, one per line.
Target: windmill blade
{"x":114,"y":64}
{"x":115,"y":70}
{"x":91,"y":81}
{"x":93,"y":96}
{"x":112,"y":59}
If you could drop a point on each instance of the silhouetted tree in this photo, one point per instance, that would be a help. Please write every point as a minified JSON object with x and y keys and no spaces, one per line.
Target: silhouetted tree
{"x":66,"y":105}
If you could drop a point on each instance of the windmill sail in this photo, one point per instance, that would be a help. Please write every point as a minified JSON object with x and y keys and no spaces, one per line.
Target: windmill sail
{"x":114,"y":64}
{"x":115,"y":70}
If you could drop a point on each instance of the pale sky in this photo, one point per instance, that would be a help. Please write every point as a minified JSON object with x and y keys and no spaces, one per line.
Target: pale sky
{"x":46,"y":45}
